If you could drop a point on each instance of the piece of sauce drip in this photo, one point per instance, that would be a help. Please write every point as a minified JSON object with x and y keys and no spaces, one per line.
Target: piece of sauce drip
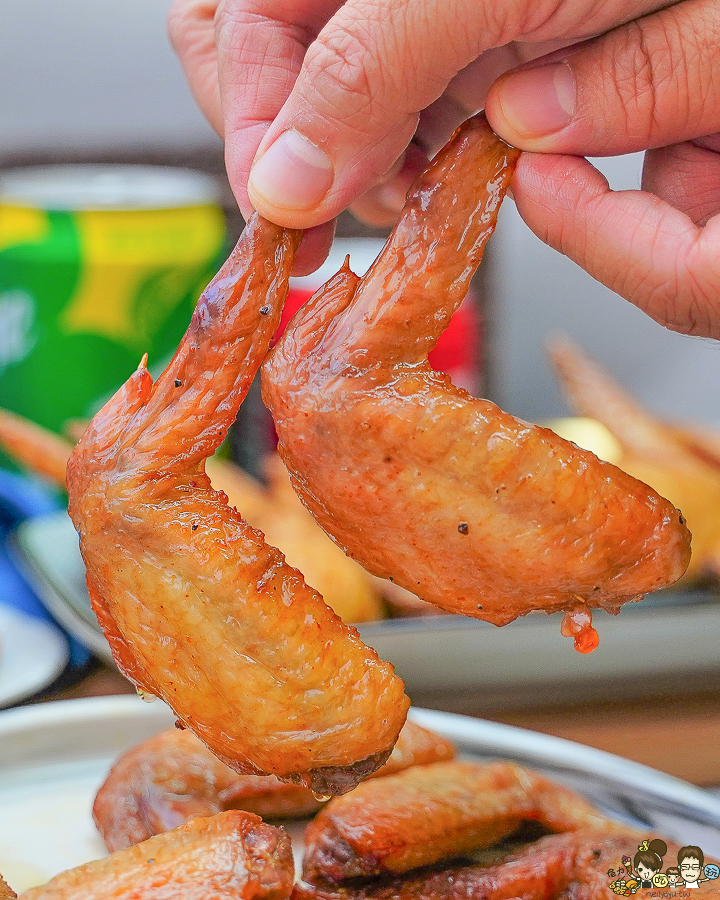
{"x":146,"y":695}
{"x":577,"y":624}
{"x":321,"y":798}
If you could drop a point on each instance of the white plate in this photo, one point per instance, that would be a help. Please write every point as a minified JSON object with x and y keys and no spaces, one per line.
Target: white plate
{"x":669,"y":635}
{"x":54,"y":756}
{"x":32,"y":655}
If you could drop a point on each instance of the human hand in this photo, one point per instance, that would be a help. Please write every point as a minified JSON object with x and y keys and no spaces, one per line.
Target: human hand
{"x":326,"y":97}
{"x":357,"y":79}
{"x":649,"y":85}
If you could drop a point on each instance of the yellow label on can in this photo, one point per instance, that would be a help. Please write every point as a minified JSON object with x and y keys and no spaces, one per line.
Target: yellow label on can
{"x":22,"y":225}
{"x":119,"y":250}
{"x":98,"y":265}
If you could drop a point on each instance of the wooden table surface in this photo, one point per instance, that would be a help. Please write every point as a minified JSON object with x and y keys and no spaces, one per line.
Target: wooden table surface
{"x":676,"y":733}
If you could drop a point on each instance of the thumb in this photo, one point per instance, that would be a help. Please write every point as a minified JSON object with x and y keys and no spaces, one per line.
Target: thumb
{"x":356,"y":103}
{"x":646,"y":84}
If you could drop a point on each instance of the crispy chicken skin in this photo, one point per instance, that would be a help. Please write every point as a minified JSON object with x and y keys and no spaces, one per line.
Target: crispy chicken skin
{"x":196,"y":607}
{"x":172,"y":777}
{"x":568,"y":865}
{"x":460,"y":503}
{"x":232,"y":856}
{"x":6,"y":892}
{"x":346,"y":587}
{"x":436,"y":812}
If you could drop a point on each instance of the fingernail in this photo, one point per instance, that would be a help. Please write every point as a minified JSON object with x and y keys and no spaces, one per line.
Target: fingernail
{"x":391,"y":196}
{"x":293,"y":173}
{"x":538,"y":101}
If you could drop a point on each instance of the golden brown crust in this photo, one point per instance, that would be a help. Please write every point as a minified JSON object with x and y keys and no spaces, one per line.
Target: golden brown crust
{"x":568,"y":865}
{"x":433,"y":813}
{"x":417,"y":746}
{"x":345,"y":586}
{"x":231,"y":856}
{"x":472,"y":509}
{"x":172,"y":777}
{"x":196,"y":606}
{"x":6,"y":892}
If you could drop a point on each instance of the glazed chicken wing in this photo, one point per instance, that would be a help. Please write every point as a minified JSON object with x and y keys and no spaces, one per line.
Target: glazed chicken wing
{"x":458,"y":502}
{"x":565,"y":865}
{"x":172,"y":777}
{"x":196,"y":607}
{"x":434,"y":813}
{"x":231,"y":856}
{"x":354,"y":594}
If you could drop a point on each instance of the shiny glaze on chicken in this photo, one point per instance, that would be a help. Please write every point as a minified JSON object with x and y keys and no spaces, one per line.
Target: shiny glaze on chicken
{"x":172,"y":777}
{"x":455,"y":500}
{"x":196,"y":607}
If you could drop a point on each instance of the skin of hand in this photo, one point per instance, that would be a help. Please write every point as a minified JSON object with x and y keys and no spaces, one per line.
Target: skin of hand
{"x":325,"y":105}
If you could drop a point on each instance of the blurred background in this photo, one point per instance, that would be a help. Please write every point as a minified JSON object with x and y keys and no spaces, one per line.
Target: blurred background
{"x":86,"y":81}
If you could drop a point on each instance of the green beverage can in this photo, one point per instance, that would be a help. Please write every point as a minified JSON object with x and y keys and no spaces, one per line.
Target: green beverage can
{"x":99,"y":264}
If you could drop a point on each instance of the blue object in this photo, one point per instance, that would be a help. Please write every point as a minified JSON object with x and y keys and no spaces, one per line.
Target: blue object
{"x":23,"y":498}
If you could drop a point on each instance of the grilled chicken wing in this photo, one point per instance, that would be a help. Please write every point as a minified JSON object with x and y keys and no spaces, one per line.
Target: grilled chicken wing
{"x":455,"y":500}
{"x":196,"y":607}
{"x":231,"y":856}
{"x":433,"y":813}
{"x":172,"y":777}
{"x":564,"y":865}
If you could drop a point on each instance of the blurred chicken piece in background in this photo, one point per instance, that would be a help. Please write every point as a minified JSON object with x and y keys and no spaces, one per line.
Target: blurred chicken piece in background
{"x":682,"y":463}
{"x":276,"y":510}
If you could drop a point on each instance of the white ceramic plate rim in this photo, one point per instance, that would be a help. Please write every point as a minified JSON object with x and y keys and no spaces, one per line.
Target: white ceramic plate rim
{"x":475,"y":735}
{"x":32,"y":655}
{"x":569,"y":758}
{"x":53,"y":757}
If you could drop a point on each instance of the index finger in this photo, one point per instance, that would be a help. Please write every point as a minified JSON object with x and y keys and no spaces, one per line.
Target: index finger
{"x":373,"y":68}
{"x":261,"y":45}
{"x":241,"y":58}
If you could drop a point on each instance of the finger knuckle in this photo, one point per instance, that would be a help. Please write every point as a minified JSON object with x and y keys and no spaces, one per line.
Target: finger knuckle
{"x":339,"y":65}
{"x":232,"y":25}
{"x":184,"y":16}
{"x":656,"y":69}
{"x":638,"y":72}
{"x":244,"y":31}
